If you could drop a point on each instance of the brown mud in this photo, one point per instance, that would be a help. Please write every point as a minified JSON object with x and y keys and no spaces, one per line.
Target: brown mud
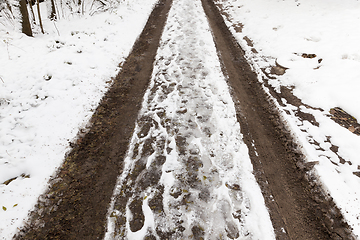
{"x":76,"y":203}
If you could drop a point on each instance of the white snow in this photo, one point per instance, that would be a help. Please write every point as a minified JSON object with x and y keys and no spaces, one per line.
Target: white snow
{"x":49,"y":87}
{"x":281,"y":31}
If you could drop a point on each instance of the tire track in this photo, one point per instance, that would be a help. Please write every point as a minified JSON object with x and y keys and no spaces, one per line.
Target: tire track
{"x":298,"y":207}
{"x":188,"y":173}
{"x":75,"y":205}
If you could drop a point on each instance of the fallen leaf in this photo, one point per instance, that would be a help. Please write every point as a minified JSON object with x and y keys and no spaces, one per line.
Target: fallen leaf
{"x":351,"y":129}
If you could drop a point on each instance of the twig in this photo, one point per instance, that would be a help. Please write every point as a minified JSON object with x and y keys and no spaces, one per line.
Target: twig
{"x":2,"y":80}
{"x":7,"y":42}
{"x":92,"y":4}
{"x":56,"y":28}
{"x":7,"y":48}
{"x":39,"y":15}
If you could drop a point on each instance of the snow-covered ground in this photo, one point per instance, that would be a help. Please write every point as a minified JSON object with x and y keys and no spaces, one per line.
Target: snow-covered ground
{"x":188,"y":147}
{"x":281,"y":32}
{"x":49,"y":86}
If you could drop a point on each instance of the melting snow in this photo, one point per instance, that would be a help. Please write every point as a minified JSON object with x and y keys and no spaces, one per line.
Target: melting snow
{"x":198,"y":165}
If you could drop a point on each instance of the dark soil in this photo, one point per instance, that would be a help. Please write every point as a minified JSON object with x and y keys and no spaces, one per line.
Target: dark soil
{"x":76,"y":203}
{"x":346,"y":120}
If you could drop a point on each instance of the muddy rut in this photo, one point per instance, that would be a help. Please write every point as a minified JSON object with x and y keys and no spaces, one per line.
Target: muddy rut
{"x":169,"y":151}
{"x":187,"y":174}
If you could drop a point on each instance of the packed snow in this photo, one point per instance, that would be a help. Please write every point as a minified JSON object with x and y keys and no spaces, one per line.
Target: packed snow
{"x":187,"y":149}
{"x":283,"y":32}
{"x":50,"y":85}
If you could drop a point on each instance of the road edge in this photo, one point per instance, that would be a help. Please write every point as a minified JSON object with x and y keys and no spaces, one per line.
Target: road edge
{"x":76,"y":202}
{"x":322,"y":214}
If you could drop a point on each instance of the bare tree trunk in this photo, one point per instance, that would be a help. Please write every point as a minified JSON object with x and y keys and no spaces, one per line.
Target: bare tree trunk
{"x":53,"y":15}
{"x":25,"y":23}
{"x":32,"y":13}
{"x":40,"y":22}
{"x":82,"y":7}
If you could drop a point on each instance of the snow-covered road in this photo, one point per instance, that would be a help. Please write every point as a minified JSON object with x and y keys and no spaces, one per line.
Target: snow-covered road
{"x":187,"y":172}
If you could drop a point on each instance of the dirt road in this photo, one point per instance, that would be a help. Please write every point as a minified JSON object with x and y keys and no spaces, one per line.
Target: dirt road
{"x":169,"y":152}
